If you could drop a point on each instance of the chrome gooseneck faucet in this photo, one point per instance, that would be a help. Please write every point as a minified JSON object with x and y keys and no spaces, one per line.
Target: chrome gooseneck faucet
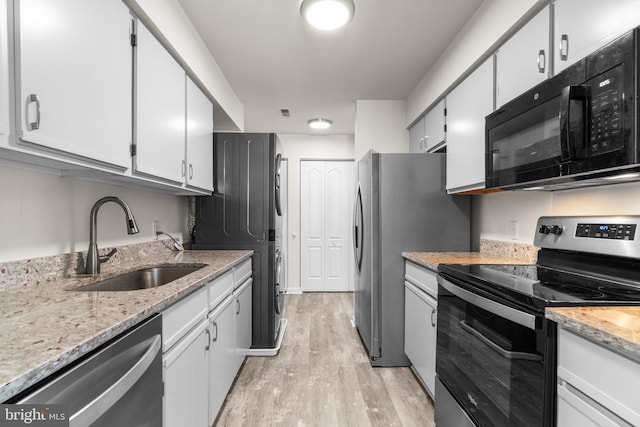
{"x":93,"y":260}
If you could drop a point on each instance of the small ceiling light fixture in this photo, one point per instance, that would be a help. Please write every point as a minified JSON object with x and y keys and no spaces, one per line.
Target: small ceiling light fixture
{"x":327,"y":15}
{"x":319,"y":124}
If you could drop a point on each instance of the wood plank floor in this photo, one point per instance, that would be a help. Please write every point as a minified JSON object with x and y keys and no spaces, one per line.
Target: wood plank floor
{"x":322,"y":376}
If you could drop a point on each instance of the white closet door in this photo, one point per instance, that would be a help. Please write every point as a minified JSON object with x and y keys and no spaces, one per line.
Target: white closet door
{"x":325,"y":218}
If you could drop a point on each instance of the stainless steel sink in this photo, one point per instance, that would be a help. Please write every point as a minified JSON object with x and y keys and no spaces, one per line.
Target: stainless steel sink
{"x":145,"y":278}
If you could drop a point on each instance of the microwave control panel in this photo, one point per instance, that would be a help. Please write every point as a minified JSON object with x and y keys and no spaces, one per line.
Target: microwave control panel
{"x":607,"y":92}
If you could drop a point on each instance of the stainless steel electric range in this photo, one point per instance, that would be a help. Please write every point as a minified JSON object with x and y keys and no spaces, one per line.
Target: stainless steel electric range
{"x":496,"y":352}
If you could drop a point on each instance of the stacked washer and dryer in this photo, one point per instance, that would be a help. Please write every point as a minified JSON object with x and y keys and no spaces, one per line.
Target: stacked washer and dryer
{"x":245,"y":212}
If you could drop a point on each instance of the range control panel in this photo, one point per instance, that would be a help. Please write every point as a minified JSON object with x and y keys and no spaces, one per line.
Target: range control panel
{"x":605,"y":235}
{"x":607,"y":231}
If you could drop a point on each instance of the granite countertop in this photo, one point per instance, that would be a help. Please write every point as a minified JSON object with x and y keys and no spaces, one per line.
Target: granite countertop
{"x":45,"y":326}
{"x":431,"y":260}
{"x":616,"y":327}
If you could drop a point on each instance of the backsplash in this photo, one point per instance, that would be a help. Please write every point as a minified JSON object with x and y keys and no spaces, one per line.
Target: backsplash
{"x":38,"y":271}
{"x":509,"y":249}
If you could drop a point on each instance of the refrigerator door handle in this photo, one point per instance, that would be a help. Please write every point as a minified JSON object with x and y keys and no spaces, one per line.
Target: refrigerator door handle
{"x":357,"y":228}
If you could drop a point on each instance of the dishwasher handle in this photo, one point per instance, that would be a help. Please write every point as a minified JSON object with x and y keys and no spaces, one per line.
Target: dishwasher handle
{"x":101,"y":404}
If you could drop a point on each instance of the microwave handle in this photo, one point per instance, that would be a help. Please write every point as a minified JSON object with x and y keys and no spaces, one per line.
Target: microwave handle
{"x":574,"y":103}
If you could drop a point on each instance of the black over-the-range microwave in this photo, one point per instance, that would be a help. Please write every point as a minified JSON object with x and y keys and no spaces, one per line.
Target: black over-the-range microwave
{"x":578,"y":128}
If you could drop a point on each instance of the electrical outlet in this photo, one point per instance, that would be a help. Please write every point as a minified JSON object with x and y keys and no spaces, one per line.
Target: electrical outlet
{"x":513,"y":229}
{"x":155,"y":227}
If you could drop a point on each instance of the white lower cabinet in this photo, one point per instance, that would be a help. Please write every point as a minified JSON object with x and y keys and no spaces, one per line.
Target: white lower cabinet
{"x":185,"y":344}
{"x":596,"y":385}
{"x":221,"y":357}
{"x":202,"y":348}
{"x":420,"y":312}
{"x":186,"y":386}
{"x":243,"y":299}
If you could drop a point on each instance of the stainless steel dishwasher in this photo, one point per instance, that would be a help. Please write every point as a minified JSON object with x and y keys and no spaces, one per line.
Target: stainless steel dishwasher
{"x":120,"y":384}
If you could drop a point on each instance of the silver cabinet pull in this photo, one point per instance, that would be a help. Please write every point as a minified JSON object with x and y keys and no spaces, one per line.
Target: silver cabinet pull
{"x":542,"y":63}
{"x":206,"y":331}
{"x":101,"y":404}
{"x":184,"y":168}
{"x":215,"y":326}
{"x":190,"y":171}
{"x":237,"y":307}
{"x":31,"y":99}
{"x":433,"y":317}
{"x":564,"y":47}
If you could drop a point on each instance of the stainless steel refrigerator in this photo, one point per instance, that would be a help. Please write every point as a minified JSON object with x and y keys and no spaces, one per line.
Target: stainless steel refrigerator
{"x":401,"y":206}
{"x":245,"y":212}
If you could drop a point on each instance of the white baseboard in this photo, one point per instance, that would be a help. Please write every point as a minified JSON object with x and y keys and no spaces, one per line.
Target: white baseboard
{"x":294,"y":291}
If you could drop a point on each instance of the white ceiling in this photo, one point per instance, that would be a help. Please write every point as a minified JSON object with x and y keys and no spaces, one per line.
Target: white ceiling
{"x":273,"y":60}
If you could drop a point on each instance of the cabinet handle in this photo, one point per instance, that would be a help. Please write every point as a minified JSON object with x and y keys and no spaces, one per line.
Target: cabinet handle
{"x":215,"y":338}
{"x":184,"y":168}
{"x":564,"y":47}
{"x":421,"y":145}
{"x":433,"y":318}
{"x":208,"y":339}
{"x":542,"y":63}
{"x":237,"y":306}
{"x":34,"y":98}
{"x":190,"y":171}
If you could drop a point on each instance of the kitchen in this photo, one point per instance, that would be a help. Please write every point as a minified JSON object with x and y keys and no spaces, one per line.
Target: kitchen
{"x":68,"y":200}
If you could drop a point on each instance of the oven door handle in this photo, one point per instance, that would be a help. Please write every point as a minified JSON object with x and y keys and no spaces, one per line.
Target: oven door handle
{"x":520,"y":317}
{"x":495,"y":347}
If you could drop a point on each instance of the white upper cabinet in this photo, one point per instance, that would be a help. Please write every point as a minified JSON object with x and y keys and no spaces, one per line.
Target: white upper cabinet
{"x":467,"y":105}
{"x":199,"y":156}
{"x":416,"y":137}
{"x":582,"y":26}
{"x":160,"y":110}
{"x":428,"y":134}
{"x":434,"y":127}
{"x":523,"y":61}
{"x":73,"y":76}
{"x":5,"y":118}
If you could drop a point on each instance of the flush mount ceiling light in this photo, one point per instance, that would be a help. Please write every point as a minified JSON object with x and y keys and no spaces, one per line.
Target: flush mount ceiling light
{"x":319,"y":124}
{"x":327,"y":15}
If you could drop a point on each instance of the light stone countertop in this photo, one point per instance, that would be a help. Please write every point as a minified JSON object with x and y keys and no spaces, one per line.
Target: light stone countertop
{"x":616,"y":327}
{"x":45,"y":326}
{"x":432,"y":260}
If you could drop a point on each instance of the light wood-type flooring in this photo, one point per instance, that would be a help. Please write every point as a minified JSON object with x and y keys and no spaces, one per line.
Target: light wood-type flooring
{"x":322,"y":376}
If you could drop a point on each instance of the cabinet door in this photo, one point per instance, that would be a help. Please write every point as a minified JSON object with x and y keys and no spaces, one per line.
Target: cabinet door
{"x":420,"y":334}
{"x":573,"y":409}
{"x":467,"y":106}
{"x":434,"y":122}
{"x":243,"y":322}
{"x":199,"y":156}
{"x":582,"y":26}
{"x":221,"y":355}
{"x":74,"y":73}
{"x":523,"y":61}
{"x":160,"y":110}
{"x":416,"y":137}
{"x":5,"y":119}
{"x":185,"y":380}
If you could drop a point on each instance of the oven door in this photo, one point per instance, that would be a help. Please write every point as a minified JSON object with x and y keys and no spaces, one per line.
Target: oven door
{"x":490,"y":359}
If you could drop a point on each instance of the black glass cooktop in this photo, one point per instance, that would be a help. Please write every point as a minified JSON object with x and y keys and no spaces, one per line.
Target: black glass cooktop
{"x":537,"y":286}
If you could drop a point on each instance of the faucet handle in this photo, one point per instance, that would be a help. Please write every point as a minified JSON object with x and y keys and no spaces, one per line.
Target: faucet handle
{"x":107,"y":257}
